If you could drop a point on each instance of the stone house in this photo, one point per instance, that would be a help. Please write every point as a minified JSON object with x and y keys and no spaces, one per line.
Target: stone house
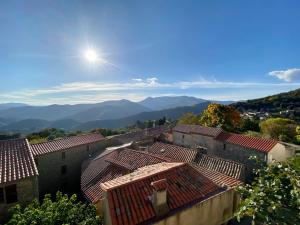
{"x":18,"y":175}
{"x":236,"y":147}
{"x":59,"y":161}
{"x":167,"y":194}
{"x":122,"y":161}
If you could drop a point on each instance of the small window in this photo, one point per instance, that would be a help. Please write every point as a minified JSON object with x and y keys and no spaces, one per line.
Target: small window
{"x":183,"y":136}
{"x":63,"y":155}
{"x":64,"y":169}
{"x":224,"y":146}
{"x":11,"y":194}
{"x":1,"y":195}
{"x":88,"y":148}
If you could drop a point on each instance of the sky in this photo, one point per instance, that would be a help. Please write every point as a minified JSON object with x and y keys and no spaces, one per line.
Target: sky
{"x":218,"y":50}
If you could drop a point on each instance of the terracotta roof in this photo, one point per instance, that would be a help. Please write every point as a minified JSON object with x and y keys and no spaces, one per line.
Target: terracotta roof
{"x":260,"y":144}
{"x":16,"y":161}
{"x":219,"y":178}
{"x":197,"y":129}
{"x":64,"y":143}
{"x":173,"y":152}
{"x":112,"y":165}
{"x":129,"y":196}
{"x":227,"y":167}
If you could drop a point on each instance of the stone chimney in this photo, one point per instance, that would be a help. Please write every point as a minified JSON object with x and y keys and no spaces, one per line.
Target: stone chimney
{"x":160,"y":197}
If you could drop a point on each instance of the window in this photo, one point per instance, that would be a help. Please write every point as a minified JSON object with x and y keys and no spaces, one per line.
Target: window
{"x":64,"y":169}
{"x":224,"y":146}
{"x":1,"y":195}
{"x":11,"y":194}
{"x":183,"y":136}
{"x":63,"y":155}
{"x":88,"y":148}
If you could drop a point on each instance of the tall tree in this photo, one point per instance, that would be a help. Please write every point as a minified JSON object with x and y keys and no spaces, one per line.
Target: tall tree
{"x":190,"y":118}
{"x":217,"y":115}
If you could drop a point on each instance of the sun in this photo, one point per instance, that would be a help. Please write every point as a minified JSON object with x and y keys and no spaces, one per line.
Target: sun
{"x":91,"y":55}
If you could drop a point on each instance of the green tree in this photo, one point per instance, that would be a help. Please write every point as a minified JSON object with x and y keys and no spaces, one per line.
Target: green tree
{"x":279,"y":128}
{"x":274,"y":196}
{"x":225,"y":116}
{"x":249,"y":125}
{"x":189,"y":118}
{"x":63,"y":210}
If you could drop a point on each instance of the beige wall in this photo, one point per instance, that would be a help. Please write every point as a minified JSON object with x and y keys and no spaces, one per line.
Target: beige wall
{"x":280,"y":153}
{"x":213,"y":211}
{"x":27,"y":190}
{"x":49,"y":166}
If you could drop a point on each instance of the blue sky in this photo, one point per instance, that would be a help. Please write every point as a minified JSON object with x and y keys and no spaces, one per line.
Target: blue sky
{"x":223,"y":50}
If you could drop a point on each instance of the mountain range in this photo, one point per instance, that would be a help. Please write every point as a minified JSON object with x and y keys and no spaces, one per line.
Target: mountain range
{"x":108,"y":114}
{"x":23,"y":118}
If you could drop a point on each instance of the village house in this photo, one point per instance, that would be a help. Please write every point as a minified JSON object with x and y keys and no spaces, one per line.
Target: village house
{"x":123,"y":160}
{"x":18,"y":175}
{"x":236,"y":147}
{"x":167,"y":194}
{"x":59,"y":161}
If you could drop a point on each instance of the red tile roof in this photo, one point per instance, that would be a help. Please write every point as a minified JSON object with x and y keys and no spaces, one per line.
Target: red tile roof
{"x":259,"y":144}
{"x":65,"y":143}
{"x":160,"y":184}
{"x":197,"y":129}
{"x":16,"y":161}
{"x":173,"y":152}
{"x":129,"y":198}
{"x":227,"y":167}
{"x":112,"y":165}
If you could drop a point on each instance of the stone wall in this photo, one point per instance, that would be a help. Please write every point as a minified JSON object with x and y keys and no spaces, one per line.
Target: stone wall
{"x":213,"y":211}
{"x":27,"y":190}
{"x":50,"y":166}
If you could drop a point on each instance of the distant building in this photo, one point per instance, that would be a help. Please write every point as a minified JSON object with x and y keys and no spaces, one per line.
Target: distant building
{"x":231,"y":146}
{"x":59,"y":161}
{"x":18,"y":175}
{"x":167,"y":194}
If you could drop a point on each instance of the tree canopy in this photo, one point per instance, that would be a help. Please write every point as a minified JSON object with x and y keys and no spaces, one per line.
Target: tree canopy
{"x":279,"y":128}
{"x":63,"y":210}
{"x":217,"y":115}
{"x":274,"y":196}
{"x":190,"y":118}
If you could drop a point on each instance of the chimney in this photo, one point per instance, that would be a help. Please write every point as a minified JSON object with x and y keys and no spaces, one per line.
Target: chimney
{"x":160,"y":197}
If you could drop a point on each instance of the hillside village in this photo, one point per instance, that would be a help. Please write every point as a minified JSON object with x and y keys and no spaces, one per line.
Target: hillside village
{"x":183,"y":174}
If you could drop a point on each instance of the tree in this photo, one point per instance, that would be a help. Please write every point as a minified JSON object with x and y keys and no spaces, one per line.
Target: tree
{"x":190,"y":118}
{"x":279,"y":128}
{"x":217,"y":115}
{"x":63,"y":210}
{"x":250,"y":125}
{"x":274,"y":196}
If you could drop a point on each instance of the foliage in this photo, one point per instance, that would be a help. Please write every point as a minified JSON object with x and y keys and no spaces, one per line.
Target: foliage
{"x":274,"y":196}
{"x":250,"y":125}
{"x":279,"y":128}
{"x":107,"y":132}
{"x":253,"y":134}
{"x":151,"y":123}
{"x":7,"y":136}
{"x":63,"y":210}
{"x":190,"y":118}
{"x":217,"y":115}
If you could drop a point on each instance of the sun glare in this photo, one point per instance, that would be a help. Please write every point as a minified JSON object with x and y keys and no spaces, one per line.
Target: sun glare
{"x":91,"y":55}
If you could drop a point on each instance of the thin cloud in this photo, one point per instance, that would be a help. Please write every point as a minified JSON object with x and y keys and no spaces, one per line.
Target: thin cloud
{"x":288,"y":75}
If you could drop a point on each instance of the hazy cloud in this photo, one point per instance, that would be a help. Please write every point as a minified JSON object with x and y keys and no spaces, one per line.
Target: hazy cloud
{"x":286,"y":75}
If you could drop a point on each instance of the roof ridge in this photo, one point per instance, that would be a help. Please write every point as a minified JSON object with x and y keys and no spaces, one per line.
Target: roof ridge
{"x":67,"y":137}
{"x":176,"y":165}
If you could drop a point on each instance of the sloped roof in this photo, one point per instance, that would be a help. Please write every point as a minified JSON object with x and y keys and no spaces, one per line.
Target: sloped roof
{"x":112,"y":165}
{"x":197,"y":129}
{"x":16,"y":161}
{"x":259,"y":144}
{"x":128,"y":196}
{"x":65,"y":143}
{"x":173,"y":152}
{"x":227,"y":167}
